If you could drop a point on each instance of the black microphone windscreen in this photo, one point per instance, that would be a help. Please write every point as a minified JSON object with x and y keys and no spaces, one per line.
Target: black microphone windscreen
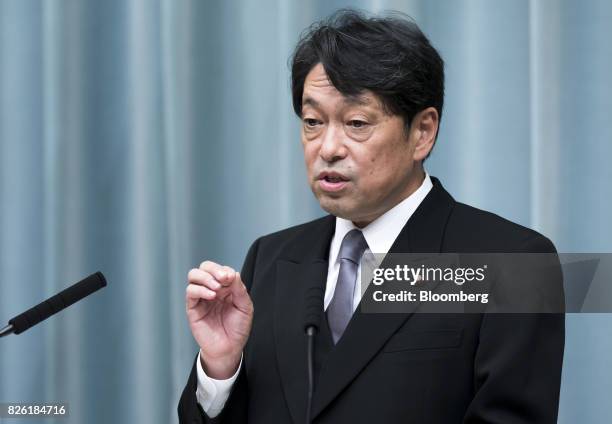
{"x":314,"y":307}
{"x":54,"y":304}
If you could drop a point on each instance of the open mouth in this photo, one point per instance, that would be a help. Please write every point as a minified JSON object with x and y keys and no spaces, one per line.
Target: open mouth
{"x":332,"y":182}
{"x":334,"y":179}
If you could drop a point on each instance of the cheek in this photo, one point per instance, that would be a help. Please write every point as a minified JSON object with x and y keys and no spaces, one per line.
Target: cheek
{"x":379,"y":171}
{"x":371,"y":173}
{"x":373,"y":165}
{"x":310,"y":155}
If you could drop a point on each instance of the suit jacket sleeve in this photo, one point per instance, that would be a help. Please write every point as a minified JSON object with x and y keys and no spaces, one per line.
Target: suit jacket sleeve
{"x":517,"y":367}
{"x":235,"y":410}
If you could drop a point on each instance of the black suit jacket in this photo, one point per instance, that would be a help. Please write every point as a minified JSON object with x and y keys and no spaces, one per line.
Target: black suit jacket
{"x":393,"y":368}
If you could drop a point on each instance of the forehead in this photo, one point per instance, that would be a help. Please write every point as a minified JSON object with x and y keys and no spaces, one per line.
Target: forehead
{"x":319,"y":91}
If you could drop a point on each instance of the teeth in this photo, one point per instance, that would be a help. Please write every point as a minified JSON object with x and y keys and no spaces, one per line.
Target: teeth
{"x":334,"y":179}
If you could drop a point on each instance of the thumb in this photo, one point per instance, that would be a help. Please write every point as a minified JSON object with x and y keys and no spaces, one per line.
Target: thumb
{"x":240,"y":295}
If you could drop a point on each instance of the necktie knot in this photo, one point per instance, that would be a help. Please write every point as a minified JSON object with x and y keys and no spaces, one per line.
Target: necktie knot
{"x":353,"y":245}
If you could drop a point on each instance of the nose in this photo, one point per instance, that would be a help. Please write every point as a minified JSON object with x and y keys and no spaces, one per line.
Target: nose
{"x":332,"y":146}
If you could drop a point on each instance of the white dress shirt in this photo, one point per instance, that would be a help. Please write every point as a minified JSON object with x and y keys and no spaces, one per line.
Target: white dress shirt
{"x":379,"y":234}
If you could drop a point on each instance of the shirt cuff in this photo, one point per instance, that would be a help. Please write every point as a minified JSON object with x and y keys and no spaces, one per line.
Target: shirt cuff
{"x":212,"y":394}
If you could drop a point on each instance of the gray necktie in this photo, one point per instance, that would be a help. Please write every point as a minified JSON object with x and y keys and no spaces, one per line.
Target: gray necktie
{"x":340,"y":309}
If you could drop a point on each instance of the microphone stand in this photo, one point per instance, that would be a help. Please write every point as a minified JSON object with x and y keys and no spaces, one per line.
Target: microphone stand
{"x":6,"y":330}
{"x":311,"y":331}
{"x":313,"y":312}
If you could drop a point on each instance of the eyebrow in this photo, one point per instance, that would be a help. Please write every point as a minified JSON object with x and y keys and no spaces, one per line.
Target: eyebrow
{"x":350,"y":100}
{"x":309,"y":101}
{"x":357,"y":99}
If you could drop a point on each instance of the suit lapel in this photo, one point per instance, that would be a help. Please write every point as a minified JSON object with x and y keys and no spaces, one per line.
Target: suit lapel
{"x":366,"y":333}
{"x":303,"y":264}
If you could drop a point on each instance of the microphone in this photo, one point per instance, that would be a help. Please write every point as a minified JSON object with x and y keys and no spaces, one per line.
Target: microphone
{"x":54,"y":304}
{"x":314,"y":309}
{"x":312,"y":320}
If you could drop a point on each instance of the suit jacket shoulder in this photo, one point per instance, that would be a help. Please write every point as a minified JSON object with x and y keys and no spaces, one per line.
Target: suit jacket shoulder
{"x":308,"y":239}
{"x":284,"y":237}
{"x":472,"y":229}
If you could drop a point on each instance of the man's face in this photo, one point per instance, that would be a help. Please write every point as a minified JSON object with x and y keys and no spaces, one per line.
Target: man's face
{"x":359,"y":159}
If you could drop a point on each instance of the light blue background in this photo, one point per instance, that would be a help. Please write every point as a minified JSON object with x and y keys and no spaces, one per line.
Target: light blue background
{"x":140,"y":137}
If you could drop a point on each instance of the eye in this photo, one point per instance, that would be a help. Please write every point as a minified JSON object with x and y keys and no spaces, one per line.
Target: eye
{"x":311,"y":122}
{"x":357,"y":124}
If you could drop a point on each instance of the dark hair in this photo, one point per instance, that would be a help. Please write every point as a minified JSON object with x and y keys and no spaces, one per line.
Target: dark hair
{"x":389,"y":56}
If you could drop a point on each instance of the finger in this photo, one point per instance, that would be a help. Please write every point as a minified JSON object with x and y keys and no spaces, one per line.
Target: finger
{"x":203,"y":278}
{"x":240,"y":295}
{"x":219,"y":272}
{"x":195,"y":292}
{"x":228,"y":276}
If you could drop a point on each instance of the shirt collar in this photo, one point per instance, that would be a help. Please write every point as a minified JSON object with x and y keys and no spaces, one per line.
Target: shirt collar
{"x":382,"y":232}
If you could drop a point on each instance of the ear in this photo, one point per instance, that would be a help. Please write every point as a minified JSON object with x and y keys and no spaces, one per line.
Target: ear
{"x":423,"y":130}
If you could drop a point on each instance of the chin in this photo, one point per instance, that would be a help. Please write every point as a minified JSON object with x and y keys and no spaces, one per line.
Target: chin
{"x":336,"y":207}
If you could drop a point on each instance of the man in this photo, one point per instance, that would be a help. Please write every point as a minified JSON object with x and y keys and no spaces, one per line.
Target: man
{"x":369,"y":92}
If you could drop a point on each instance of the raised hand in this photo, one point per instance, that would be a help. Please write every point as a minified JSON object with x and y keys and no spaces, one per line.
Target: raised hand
{"x":220,"y":314}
